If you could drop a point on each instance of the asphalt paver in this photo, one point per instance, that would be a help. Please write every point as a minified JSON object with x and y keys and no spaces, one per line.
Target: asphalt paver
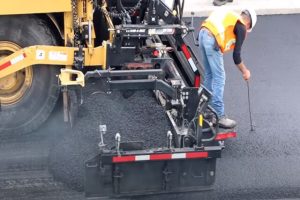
{"x":260,"y":164}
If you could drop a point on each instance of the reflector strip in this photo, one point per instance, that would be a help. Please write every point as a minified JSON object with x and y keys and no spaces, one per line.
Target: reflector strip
{"x":142,"y":157}
{"x":185,"y":51}
{"x":153,"y":157}
{"x":200,"y":120}
{"x":161,"y":156}
{"x":178,"y":155}
{"x":192,"y":64}
{"x":197,"y":81}
{"x":13,"y":61}
{"x":17,"y":59}
{"x":188,"y":57}
{"x":224,"y":136}
{"x":197,"y":155}
{"x":121,"y":159}
{"x":3,"y":66}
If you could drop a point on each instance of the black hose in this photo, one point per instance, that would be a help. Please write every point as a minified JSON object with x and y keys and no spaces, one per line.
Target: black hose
{"x":122,"y":12}
{"x":182,"y":7}
{"x":120,"y":7}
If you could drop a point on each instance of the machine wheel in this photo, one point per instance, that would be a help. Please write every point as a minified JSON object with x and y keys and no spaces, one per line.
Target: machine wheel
{"x":28,"y":96}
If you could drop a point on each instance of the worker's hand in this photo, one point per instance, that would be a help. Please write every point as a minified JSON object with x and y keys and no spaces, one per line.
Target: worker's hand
{"x":245,"y":71}
{"x":246,"y":74}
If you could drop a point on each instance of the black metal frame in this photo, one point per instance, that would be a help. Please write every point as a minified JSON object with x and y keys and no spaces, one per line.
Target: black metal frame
{"x":106,"y":178}
{"x":136,"y":84}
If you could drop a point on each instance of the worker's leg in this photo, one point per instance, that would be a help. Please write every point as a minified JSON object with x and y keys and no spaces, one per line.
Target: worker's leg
{"x":203,"y":40}
{"x":216,"y":62}
{"x":214,"y":78}
{"x":215,"y":59}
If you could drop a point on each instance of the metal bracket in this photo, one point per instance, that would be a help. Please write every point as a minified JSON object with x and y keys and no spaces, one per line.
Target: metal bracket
{"x":118,"y":141}
{"x":102,"y":129}
{"x":170,"y":137}
{"x":66,"y":76}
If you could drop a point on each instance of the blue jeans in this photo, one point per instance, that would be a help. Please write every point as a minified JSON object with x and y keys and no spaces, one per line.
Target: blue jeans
{"x":214,"y":77}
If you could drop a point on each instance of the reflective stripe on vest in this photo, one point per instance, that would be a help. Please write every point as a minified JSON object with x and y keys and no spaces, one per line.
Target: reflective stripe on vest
{"x":221,"y":24}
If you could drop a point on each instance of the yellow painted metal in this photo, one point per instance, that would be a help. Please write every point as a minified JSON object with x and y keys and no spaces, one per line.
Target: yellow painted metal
{"x":80,"y":8}
{"x":200,"y":120}
{"x":65,"y":75}
{"x":85,"y":10}
{"x":69,"y":37}
{"x":23,"y":59}
{"x":51,"y":55}
{"x":13,"y":7}
{"x":109,"y":22}
{"x":89,"y":10}
{"x":68,"y":29}
{"x":85,"y":14}
{"x":89,"y":18}
{"x":14,"y":86}
{"x":98,"y":57}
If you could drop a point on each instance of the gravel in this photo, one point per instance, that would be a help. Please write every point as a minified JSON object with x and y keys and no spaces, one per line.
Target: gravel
{"x":137,"y":118}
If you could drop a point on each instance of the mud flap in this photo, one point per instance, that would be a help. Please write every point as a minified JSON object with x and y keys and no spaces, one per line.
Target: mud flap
{"x":147,"y":177}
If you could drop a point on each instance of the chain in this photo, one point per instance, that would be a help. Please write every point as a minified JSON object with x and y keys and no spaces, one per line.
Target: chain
{"x":136,"y":7}
{"x":125,"y":13}
{"x":75,"y":23}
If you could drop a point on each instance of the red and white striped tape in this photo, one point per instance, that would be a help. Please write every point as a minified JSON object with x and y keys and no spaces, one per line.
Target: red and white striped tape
{"x":188,"y":57}
{"x":153,"y":157}
{"x":13,"y":61}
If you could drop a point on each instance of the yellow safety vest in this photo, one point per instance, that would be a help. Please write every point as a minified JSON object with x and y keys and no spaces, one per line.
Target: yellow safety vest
{"x":221,"y":24}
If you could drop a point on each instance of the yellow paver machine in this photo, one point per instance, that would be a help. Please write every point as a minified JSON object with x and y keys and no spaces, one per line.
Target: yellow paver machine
{"x":54,"y":46}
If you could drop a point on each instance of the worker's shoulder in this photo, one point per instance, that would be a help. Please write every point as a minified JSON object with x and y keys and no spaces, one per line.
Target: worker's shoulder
{"x":239,"y":26}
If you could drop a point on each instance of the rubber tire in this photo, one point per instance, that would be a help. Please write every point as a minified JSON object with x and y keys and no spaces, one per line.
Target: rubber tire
{"x":37,"y":104}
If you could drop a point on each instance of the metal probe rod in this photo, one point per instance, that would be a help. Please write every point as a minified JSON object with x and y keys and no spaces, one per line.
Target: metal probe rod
{"x":249,"y":105}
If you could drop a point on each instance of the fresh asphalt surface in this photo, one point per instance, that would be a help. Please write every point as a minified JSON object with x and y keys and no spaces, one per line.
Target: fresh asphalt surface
{"x":263,"y":164}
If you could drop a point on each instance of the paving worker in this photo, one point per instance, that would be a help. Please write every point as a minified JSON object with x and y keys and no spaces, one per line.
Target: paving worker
{"x":221,"y":32}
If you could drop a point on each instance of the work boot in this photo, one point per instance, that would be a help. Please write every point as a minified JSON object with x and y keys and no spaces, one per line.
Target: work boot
{"x":226,"y":123}
{"x":219,"y":2}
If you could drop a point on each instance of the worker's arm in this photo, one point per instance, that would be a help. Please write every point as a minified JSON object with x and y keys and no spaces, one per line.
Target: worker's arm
{"x":240,"y":32}
{"x":245,"y":71}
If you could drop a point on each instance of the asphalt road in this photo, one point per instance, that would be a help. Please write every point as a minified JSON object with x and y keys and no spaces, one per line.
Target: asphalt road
{"x":263,"y":164}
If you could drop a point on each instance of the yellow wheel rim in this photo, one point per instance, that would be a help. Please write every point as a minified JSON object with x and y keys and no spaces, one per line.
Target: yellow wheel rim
{"x":14,"y":86}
